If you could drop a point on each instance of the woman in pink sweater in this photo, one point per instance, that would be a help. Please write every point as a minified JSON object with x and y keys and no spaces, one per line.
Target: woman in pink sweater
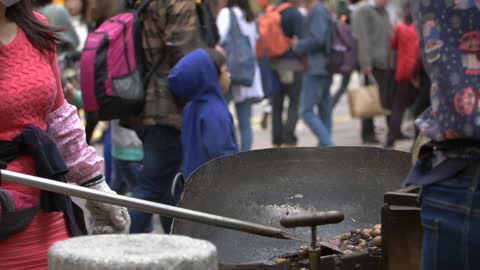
{"x":31,"y":98}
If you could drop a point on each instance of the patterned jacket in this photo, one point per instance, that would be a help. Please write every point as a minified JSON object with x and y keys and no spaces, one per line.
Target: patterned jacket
{"x":169,"y":32}
{"x":450,"y":43}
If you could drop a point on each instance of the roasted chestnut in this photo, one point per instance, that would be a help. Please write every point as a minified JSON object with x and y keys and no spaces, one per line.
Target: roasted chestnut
{"x":376,"y":232}
{"x":345,"y":236}
{"x":377,"y":241}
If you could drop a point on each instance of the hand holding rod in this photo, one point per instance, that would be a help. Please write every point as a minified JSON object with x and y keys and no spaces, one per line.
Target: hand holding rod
{"x":146,"y":206}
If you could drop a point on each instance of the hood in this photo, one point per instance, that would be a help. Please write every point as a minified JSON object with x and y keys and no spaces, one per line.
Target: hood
{"x":195,"y":77}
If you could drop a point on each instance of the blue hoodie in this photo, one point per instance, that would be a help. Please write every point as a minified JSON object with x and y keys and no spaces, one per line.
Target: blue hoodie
{"x":207,"y":126}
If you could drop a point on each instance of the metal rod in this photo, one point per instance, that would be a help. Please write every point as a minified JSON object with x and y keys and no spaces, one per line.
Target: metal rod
{"x":146,"y":206}
{"x":314,"y":237}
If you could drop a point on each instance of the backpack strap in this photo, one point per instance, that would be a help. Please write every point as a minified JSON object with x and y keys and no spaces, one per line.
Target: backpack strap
{"x":234,"y":21}
{"x":142,"y":6}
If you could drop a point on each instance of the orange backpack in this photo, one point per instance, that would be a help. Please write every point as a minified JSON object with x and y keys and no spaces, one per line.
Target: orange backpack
{"x":273,"y":42}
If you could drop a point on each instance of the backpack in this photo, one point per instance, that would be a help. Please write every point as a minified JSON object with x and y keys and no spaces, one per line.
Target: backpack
{"x":240,"y":55}
{"x":112,"y":71}
{"x":343,"y":57}
{"x":273,"y":42}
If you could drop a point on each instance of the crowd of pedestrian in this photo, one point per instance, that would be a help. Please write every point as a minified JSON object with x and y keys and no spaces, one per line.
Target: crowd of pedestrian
{"x":197,"y":57}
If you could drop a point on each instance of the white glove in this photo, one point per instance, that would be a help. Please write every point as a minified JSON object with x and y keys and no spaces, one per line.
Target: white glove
{"x":108,"y":219}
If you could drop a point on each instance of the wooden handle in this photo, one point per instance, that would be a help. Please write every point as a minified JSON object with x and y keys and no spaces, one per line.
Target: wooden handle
{"x":312,"y":220}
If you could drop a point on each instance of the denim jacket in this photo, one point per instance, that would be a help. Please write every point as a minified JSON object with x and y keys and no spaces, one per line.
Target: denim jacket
{"x":317,"y":41}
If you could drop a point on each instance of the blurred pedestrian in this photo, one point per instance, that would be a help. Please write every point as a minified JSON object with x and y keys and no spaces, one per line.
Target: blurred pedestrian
{"x":208,"y":31}
{"x":243,"y":96}
{"x":371,"y":23}
{"x":78,"y":10}
{"x":127,"y":157}
{"x":101,"y":10}
{"x":290,"y":72}
{"x":202,"y":79}
{"x":354,"y":4}
{"x":57,"y":15}
{"x":41,"y":135}
{"x":406,"y":43}
{"x":343,"y":11}
{"x":344,"y":14}
{"x":317,"y":79}
{"x":165,"y":43}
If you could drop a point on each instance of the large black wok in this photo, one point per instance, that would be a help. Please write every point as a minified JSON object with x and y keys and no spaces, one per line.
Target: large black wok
{"x":262,"y":186}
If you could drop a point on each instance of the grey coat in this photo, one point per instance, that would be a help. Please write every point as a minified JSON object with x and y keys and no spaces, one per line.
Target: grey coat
{"x":374,"y":31}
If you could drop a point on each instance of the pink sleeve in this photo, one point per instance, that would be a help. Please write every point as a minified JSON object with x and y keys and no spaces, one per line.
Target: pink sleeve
{"x":69,"y":134}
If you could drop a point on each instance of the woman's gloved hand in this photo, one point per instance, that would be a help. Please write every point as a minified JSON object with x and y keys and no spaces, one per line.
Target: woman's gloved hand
{"x":108,"y":219}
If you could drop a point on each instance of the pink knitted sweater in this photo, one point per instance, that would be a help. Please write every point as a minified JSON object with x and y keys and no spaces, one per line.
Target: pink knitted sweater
{"x":31,"y":94}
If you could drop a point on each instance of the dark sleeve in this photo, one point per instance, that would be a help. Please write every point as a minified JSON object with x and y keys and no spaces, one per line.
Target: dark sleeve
{"x":293,"y":23}
{"x":298,"y":23}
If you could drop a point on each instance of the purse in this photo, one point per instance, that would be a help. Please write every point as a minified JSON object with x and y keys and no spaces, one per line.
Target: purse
{"x":365,"y":102}
{"x":13,"y":220}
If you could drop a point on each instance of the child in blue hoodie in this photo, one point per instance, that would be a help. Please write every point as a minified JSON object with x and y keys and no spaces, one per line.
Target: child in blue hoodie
{"x":202,"y":78}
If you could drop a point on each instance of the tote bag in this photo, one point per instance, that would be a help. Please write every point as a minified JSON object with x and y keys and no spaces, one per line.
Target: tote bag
{"x":365,"y":102}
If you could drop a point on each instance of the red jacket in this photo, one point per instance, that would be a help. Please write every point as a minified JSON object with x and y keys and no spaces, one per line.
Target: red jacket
{"x":406,"y":42}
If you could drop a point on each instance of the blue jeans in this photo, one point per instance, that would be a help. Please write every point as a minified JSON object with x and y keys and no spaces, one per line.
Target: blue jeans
{"x":244,"y":117}
{"x":125,"y":175}
{"x":162,"y":160}
{"x":451,"y":223}
{"x":316,"y":93}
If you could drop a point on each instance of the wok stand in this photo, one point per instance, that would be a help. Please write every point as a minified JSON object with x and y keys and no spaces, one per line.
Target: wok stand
{"x":312,"y":221}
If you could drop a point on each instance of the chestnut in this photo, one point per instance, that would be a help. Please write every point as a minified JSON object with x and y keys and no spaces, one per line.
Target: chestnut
{"x":377,"y":241}
{"x":376,"y":232}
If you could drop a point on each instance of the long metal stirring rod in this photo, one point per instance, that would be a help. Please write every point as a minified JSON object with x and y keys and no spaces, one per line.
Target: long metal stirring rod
{"x":146,"y":206}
